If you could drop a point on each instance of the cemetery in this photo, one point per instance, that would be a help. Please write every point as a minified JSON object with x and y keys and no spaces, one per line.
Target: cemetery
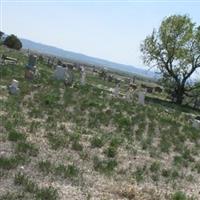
{"x":74,"y":132}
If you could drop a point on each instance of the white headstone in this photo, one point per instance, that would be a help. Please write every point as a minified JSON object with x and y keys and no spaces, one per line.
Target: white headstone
{"x":14,"y":83}
{"x":128,"y":95}
{"x":141,"y":98}
{"x":83,"y":75}
{"x":196,"y":124}
{"x":60,"y":73}
{"x":13,"y":88}
{"x":116,"y":90}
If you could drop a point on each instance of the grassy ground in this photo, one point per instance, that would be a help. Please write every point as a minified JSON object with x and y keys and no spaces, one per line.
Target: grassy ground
{"x":79,"y":142}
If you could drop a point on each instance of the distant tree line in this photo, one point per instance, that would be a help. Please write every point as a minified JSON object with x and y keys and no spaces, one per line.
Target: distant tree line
{"x":11,"y":41}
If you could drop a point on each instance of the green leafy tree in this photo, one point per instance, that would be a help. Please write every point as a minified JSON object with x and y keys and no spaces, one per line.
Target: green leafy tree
{"x":13,"y":42}
{"x":1,"y":34}
{"x":175,"y":50}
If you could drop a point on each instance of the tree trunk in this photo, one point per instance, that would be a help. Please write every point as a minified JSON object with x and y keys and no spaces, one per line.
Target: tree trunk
{"x":179,"y":95}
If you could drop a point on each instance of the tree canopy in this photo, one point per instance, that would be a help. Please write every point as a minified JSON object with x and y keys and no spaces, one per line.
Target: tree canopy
{"x":175,"y":50}
{"x":1,"y":34}
{"x":13,"y":42}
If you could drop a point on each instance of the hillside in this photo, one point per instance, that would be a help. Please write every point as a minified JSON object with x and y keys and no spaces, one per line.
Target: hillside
{"x":27,"y":44}
{"x":80,"y":142}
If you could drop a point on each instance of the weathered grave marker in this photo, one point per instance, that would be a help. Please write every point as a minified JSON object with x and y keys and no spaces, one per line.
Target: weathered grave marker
{"x":83,"y":76}
{"x":32,"y":62}
{"x":196,"y":122}
{"x":141,"y":97}
{"x":116,"y":90}
{"x":13,"y":88}
{"x":60,"y":73}
{"x":31,"y":68}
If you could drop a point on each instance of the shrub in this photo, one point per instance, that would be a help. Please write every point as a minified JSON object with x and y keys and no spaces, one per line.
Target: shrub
{"x":13,"y":42}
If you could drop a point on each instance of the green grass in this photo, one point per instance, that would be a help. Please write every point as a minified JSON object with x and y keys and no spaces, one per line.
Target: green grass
{"x":140,"y":173}
{"x":57,"y":140}
{"x":31,"y":187}
{"x":96,"y":142}
{"x":8,"y":163}
{"x":16,"y":136}
{"x":104,"y":166}
{"x":179,"y":196}
{"x":111,"y":152}
{"x":69,"y":171}
{"x":26,"y":148}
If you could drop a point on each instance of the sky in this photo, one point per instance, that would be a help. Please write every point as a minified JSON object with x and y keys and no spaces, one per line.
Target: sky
{"x":111,"y":29}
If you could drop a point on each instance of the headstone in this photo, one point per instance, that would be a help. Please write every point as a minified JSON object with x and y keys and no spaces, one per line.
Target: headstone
{"x":31,"y":68}
{"x":32,"y":62}
{"x":128,"y":95}
{"x":196,"y":123}
{"x":83,"y":76}
{"x":13,"y":88}
{"x":60,"y":73}
{"x":29,"y":74}
{"x":116,"y":90}
{"x":141,"y":98}
{"x":69,"y":77}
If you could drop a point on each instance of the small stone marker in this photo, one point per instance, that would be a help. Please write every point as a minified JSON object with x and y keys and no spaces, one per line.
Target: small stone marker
{"x":60,"y":73}
{"x":13,"y":88}
{"x":196,"y":122}
{"x":69,"y":77}
{"x":116,"y":90}
{"x":141,"y":98}
{"x":129,"y":94}
{"x":83,"y":76}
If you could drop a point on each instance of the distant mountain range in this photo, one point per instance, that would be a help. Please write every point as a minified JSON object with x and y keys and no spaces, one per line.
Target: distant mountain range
{"x":28,"y":44}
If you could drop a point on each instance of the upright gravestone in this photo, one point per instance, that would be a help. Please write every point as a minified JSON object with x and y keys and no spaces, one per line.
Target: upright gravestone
{"x":83,"y":76}
{"x":32,"y":62}
{"x":141,"y":97}
{"x":31,"y":67}
{"x":129,"y":94}
{"x":60,"y":73}
{"x":196,"y":122}
{"x":116,"y":90}
{"x":69,"y":77}
{"x":13,"y":88}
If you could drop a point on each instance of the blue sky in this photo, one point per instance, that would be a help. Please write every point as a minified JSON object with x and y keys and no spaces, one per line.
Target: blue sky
{"x":108,"y":29}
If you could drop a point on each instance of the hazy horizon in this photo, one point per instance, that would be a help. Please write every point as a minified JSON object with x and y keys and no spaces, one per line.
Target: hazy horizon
{"x":109,"y":30}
